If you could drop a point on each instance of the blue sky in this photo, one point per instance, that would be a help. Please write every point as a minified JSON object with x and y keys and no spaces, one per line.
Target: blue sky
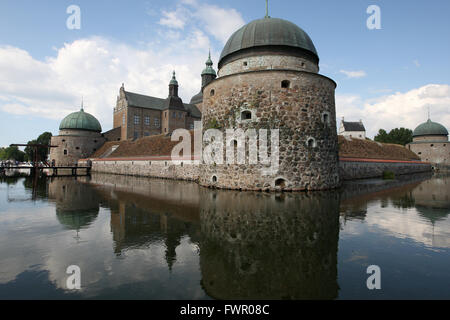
{"x":387,"y":78}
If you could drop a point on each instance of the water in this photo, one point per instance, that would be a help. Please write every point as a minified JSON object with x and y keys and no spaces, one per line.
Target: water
{"x":138,"y":238}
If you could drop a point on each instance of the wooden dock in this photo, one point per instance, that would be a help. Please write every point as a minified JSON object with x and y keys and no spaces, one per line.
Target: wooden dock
{"x":53,"y":171}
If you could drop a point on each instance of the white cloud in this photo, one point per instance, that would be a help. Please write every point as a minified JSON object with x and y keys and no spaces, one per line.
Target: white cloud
{"x":401,"y":109}
{"x":175,"y":19}
{"x":95,"y":68}
{"x":218,"y":22}
{"x":354,"y":74}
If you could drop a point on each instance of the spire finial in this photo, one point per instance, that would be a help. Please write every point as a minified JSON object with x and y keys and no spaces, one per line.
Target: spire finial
{"x":82,"y":104}
{"x":209,"y":62}
{"x":267,"y":9}
{"x":429,"y":117}
{"x":174,"y":80}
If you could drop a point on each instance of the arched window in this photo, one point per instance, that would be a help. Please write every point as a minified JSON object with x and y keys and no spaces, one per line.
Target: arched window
{"x":246,"y":115}
{"x":212,"y":92}
{"x":285,"y":84}
{"x":214,"y":179}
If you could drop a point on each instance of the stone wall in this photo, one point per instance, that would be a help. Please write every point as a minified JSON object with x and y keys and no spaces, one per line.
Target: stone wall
{"x":351,"y":169}
{"x":432,"y":151}
{"x":305,"y":115}
{"x":113,"y":134}
{"x":268,"y":62}
{"x":150,"y":167}
{"x":74,"y":145}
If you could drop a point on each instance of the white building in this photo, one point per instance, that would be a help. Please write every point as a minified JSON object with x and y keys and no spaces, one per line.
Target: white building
{"x":353,"y":130}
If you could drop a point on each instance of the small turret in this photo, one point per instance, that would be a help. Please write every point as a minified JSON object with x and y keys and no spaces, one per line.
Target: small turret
{"x":208,"y":74}
{"x":173,"y":86}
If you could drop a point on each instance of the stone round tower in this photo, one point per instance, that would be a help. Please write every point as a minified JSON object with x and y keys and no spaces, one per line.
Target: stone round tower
{"x":79,"y":137}
{"x":268,"y":79}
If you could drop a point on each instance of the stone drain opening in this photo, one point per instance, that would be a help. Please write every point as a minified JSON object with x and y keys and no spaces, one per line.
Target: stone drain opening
{"x":280,"y":183}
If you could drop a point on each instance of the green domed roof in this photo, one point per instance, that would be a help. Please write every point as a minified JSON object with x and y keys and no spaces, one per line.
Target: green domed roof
{"x":209,"y":69}
{"x":268,"y":32}
{"x":80,"y":121}
{"x":430,"y":128}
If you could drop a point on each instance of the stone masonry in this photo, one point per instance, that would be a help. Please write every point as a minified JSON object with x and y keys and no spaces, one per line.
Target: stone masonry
{"x":300,"y":104}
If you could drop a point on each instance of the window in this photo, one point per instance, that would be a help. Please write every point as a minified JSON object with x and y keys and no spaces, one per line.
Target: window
{"x":78,"y":148}
{"x":165,"y":114}
{"x":181,"y":115}
{"x":65,"y":152}
{"x":285,"y":84}
{"x":123,"y":119}
{"x":191,"y":126}
{"x":174,"y":115}
{"x":245,"y":63}
{"x":147,"y":121}
{"x":63,"y":140}
{"x":136,"y":135}
{"x":326,"y":118}
{"x":246,"y":115}
{"x":432,"y":145}
{"x":214,"y":179}
{"x":311,"y":143}
{"x":212,"y":92}
{"x":157,"y":122}
{"x":136,"y":119}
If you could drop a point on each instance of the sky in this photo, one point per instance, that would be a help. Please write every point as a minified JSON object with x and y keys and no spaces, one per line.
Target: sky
{"x":387,"y":77}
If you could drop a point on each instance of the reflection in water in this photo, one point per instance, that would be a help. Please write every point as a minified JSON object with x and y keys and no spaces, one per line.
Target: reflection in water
{"x":420,"y":198}
{"x":246,"y":245}
{"x":264,"y":246}
{"x":77,"y":204}
{"x":146,"y":211}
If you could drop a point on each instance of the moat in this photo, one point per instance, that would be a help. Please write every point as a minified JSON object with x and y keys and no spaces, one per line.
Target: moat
{"x":140,"y":238}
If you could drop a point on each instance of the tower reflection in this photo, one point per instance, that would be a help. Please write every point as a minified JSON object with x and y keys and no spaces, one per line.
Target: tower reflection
{"x":265,"y":246}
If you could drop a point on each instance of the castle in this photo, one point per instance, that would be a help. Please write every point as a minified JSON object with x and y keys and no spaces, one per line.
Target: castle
{"x":267,"y":79}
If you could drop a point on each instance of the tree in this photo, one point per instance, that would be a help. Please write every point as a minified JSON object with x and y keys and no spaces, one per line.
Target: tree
{"x":401,"y":136}
{"x":12,"y":153}
{"x":43,"y":139}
